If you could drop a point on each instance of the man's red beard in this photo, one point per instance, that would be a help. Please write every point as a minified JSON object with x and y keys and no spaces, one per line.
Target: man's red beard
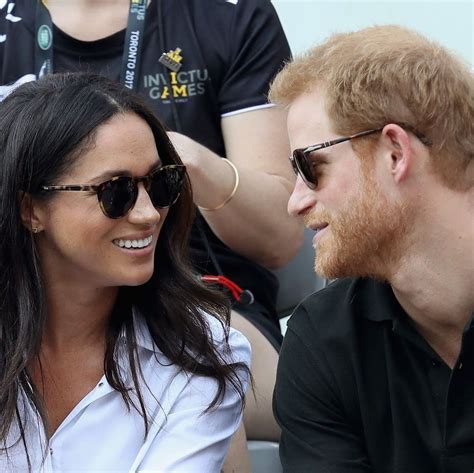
{"x":366,"y":238}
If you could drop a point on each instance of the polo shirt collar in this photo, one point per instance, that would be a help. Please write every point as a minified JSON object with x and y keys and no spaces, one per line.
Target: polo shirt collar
{"x":377,"y":302}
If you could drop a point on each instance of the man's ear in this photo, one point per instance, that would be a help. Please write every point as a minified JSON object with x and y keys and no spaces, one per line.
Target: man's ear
{"x":398,"y":152}
{"x":30,"y":213}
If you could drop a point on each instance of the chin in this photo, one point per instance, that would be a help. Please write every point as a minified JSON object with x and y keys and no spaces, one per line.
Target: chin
{"x":139,"y":281}
{"x":361,"y":265}
{"x":331,"y":270}
{"x":339,"y":270}
{"x":330,"y":263}
{"x":370,"y":250}
{"x":136,"y":278}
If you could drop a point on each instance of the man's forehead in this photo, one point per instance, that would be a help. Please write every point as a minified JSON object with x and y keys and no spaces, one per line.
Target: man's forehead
{"x":307,"y":119}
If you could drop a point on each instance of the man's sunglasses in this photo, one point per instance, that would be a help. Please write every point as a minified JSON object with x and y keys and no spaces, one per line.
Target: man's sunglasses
{"x":303,"y":165}
{"x":118,"y":195}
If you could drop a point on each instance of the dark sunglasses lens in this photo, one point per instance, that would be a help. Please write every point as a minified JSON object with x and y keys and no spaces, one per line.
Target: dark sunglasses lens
{"x":303,"y":164}
{"x":117,"y":196}
{"x":165,"y":186}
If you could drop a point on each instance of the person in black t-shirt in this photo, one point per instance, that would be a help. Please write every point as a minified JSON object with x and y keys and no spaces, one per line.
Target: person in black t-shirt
{"x":376,"y":373}
{"x":226,"y":53}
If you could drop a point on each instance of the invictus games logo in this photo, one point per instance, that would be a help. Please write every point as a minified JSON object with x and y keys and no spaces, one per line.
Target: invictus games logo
{"x":172,"y":59}
{"x":45,"y":37}
{"x":182,"y":85}
{"x":175,"y":84}
{"x":138,"y":8}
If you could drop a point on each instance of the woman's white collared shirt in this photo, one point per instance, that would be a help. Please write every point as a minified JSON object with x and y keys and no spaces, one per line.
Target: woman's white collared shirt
{"x":101,"y":435}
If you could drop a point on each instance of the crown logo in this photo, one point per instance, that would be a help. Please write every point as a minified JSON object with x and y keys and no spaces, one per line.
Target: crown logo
{"x":172,"y":59}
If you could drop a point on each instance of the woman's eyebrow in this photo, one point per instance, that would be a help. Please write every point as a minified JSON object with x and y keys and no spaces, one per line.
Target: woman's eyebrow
{"x":110,"y":174}
{"x":121,"y":172}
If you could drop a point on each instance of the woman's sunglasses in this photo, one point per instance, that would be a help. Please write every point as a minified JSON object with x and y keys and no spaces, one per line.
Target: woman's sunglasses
{"x":118,"y":195}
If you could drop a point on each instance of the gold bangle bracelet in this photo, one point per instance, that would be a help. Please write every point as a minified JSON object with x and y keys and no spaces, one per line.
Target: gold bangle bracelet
{"x":234,"y":190}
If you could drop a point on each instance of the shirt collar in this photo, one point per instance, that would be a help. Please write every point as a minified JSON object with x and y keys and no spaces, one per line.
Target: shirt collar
{"x":143,"y":337}
{"x":376,"y":301}
{"x":142,"y":333}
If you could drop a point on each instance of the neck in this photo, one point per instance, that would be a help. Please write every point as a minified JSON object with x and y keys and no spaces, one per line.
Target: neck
{"x":435,"y":289}
{"x":77,"y":317}
{"x":89,"y":20}
{"x":434,"y":281}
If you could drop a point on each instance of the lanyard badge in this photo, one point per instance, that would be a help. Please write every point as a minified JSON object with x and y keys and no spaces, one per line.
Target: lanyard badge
{"x":44,"y":41}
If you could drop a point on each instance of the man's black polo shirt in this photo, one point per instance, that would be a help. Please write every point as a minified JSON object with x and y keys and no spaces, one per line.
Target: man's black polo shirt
{"x":360,"y":390}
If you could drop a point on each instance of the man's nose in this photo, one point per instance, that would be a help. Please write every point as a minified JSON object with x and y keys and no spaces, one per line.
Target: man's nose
{"x":302,"y":199}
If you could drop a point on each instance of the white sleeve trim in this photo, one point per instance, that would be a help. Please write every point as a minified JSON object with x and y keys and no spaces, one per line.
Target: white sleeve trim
{"x":248,"y":109}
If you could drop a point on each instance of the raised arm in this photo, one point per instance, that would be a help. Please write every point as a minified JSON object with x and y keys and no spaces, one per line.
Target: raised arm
{"x":255,"y":221}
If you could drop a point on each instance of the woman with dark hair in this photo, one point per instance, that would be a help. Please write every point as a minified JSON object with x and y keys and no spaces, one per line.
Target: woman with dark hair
{"x":113,"y":355}
{"x":204,"y":68}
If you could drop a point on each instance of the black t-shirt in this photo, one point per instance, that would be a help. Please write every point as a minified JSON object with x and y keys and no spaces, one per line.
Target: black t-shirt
{"x":360,"y":390}
{"x":230,"y":52}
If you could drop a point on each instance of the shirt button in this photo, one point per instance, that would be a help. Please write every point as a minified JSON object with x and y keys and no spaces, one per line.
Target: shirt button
{"x":435,"y":363}
{"x":460,"y":365}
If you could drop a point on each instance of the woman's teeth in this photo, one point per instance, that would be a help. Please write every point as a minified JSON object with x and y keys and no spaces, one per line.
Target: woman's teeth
{"x":133,"y":243}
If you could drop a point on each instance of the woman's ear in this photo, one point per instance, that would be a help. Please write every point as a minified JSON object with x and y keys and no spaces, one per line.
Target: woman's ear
{"x":30,"y":213}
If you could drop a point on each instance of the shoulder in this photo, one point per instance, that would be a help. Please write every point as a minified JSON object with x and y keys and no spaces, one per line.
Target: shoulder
{"x":321,"y":307}
{"x":252,"y":15}
{"x":239,"y":15}
{"x":334,"y":338}
{"x":232,"y":6}
{"x":231,"y":344}
{"x":337,"y":311}
{"x":17,"y":23}
{"x":20,"y":13}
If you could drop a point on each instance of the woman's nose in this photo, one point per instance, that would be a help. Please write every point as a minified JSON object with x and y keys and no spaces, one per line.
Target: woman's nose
{"x":144,"y":211}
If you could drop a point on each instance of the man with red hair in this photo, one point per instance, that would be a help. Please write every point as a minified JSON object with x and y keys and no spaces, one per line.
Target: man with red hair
{"x":376,"y":372}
